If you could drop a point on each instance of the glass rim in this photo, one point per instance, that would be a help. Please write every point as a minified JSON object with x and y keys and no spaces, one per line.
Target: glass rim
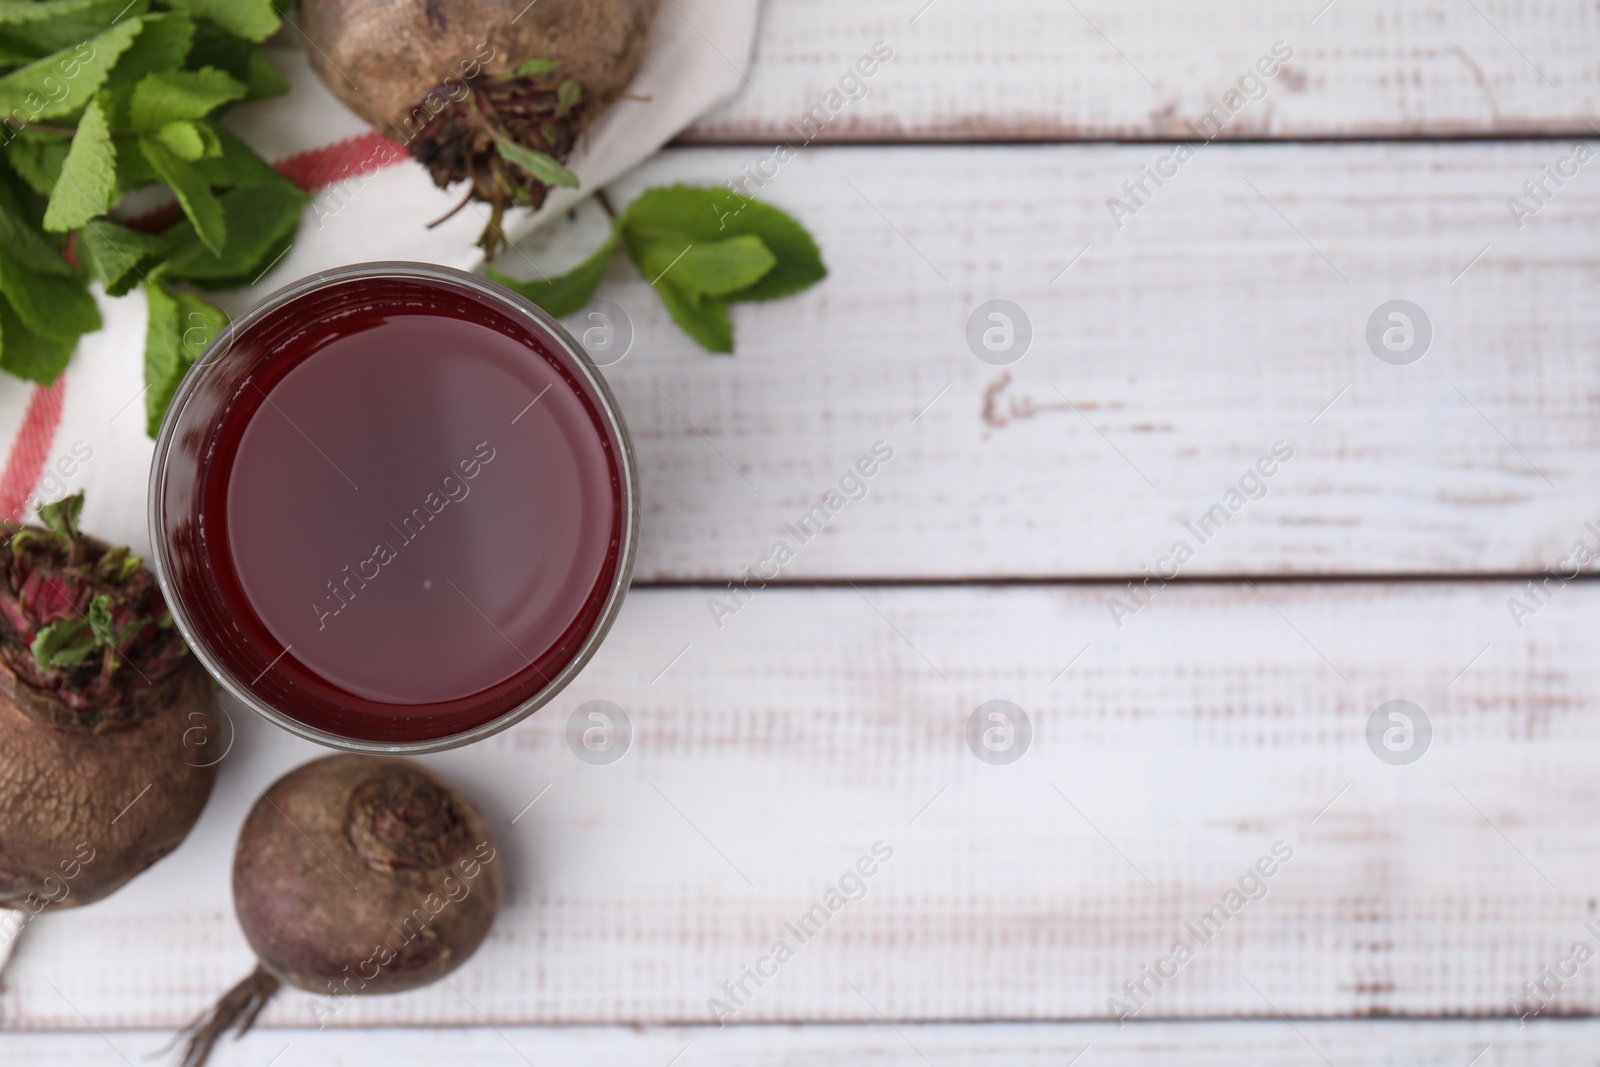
{"x":513,"y":303}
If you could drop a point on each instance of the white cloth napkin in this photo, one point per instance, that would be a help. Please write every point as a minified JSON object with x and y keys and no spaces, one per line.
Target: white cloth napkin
{"x":87,"y":431}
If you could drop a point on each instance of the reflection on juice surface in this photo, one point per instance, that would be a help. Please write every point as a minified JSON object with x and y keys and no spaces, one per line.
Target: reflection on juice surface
{"x":402,"y":520}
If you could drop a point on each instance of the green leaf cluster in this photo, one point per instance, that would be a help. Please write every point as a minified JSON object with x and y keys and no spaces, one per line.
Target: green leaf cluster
{"x":701,"y":249}
{"x":71,"y":641}
{"x":99,"y":98}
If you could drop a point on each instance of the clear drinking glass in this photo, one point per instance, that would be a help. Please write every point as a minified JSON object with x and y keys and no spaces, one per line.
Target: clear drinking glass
{"x":394,"y":508}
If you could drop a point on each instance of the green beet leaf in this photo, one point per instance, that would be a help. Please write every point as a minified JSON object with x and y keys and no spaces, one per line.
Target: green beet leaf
{"x":567,"y":96}
{"x":566,"y":293}
{"x":541,"y":166}
{"x":66,"y":643}
{"x":62,"y":517}
{"x":69,"y":642}
{"x":88,"y":175}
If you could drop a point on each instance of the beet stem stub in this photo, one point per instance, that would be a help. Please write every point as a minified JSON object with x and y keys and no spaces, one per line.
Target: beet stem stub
{"x":237,"y":1011}
{"x":462,"y":142}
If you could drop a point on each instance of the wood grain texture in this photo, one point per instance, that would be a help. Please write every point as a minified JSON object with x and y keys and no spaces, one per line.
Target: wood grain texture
{"x":1229,"y":313}
{"x":1265,"y":1044}
{"x":772,"y":754}
{"x":969,"y":70}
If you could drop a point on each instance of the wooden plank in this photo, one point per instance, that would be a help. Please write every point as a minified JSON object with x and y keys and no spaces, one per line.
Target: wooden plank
{"x":1228,"y":314}
{"x":1267,"y":1044}
{"x":1168,"y":757}
{"x":966,"y":70}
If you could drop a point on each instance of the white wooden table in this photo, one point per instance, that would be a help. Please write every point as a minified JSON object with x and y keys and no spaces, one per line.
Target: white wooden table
{"x":1173,"y":745}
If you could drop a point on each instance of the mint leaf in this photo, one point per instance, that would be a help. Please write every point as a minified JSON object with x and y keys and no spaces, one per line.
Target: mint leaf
{"x":693,"y":278}
{"x":28,"y":355}
{"x":13,"y":12}
{"x":715,"y":214}
{"x":169,"y":96}
{"x":566,"y":293}
{"x":704,"y":318}
{"x":708,"y":269}
{"x":192,"y":190}
{"x":162,"y":44}
{"x":38,"y":160}
{"x":181,"y":326}
{"x":20,"y":234}
{"x":115,"y":255}
{"x":264,"y":265}
{"x":263,"y":78}
{"x":215,"y":47}
{"x":258,"y":220}
{"x":184,"y":140}
{"x":64,"y":26}
{"x":88,"y":176}
{"x":133,"y":169}
{"x":254,"y":20}
{"x":61,"y":84}
{"x":238,"y":164}
{"x":63,"y":516}
{"x":58,"y":308}
{"x":542,"y":167}
{"x":164,"y":364}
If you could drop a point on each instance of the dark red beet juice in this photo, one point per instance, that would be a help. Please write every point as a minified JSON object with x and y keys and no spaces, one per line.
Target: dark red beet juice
{"x":395,"y":508}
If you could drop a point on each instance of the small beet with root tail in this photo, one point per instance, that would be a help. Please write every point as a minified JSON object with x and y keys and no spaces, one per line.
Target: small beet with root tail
{"x":355,"y":875}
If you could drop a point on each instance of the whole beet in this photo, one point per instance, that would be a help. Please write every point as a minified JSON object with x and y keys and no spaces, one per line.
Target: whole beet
{"x":109,"y":730}
{"x":455,"y":80}
{"x":355,"y":875}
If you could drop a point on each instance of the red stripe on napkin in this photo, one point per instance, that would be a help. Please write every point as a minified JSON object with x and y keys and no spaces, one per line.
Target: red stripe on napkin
{"x":311,"y":170}
{"x":358,"y":156}
{"x":31,"y":450}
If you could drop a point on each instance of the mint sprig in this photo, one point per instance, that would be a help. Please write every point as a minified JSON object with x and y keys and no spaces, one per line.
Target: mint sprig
{"x":102,"y":97}
{"x":701,"y":249}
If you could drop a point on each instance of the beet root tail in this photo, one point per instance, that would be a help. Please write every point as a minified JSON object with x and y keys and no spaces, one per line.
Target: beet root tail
{"x":236,"y":1011}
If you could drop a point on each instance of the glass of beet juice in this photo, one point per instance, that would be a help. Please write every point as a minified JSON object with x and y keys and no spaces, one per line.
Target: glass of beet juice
{"x":394,"y":508}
